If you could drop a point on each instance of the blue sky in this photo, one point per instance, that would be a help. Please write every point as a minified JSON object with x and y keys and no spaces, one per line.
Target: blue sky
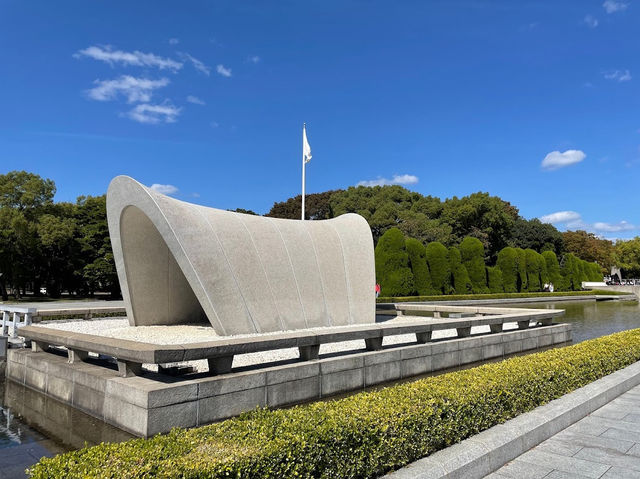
{"x":536,"y":102}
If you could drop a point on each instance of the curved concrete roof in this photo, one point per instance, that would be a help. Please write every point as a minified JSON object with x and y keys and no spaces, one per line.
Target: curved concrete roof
{"x":181,"y":263}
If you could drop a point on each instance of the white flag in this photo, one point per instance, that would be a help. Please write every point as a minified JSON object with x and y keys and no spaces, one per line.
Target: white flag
{"x":306,"y":149}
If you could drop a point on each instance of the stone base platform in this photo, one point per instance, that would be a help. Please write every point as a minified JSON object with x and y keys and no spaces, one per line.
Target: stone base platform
{"x":153,"y":403}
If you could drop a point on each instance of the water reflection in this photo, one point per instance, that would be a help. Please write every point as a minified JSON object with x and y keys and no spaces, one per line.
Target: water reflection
{"x":592,"y":319}
{"x":33,"y":425}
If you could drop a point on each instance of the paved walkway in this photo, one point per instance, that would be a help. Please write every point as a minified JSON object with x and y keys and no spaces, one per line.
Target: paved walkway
{"x":605,"y":444}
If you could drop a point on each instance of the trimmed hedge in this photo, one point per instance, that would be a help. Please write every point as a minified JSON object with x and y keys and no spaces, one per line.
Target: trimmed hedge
{"x":364,"y":435}
{"x":438,"y":260}
{"x":419,"y":268}
{"x":392,"y":264}
{"x":461,"y":297}
{"x":459,"y":276}
{"x":472,"y":252}
{"x":495,"y":279}
{"x":508,"y":264}
{"x":553,"y":269}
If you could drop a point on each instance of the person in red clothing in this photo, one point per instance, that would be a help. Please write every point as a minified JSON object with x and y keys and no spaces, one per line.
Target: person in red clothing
{"x":377,"y":289}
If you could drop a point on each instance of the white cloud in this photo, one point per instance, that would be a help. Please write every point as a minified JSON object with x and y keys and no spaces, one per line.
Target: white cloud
{"x":591,"y":21}
{"x":618,"y":75}
{"x":164,"y":189}
{"x":195,"y":100}
{"x":396,"y":180}
{"x":136,"y":58}
{"x":555,"y":159}
{"x":153,"y":114}
{"x":561,"y":217}
{"x":214,"y":124}
{"x":134,"y":89}
{"x":174,"y":41}
{"x":573,"y":220}
{"x":614,"y":227}
{"x":254,"y":59}
{"x":222,"y":70}
{"x":612,"y":6}
{"x":197,"y":64}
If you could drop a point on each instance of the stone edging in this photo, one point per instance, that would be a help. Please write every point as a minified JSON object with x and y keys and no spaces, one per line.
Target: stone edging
{"x":489,"y":450}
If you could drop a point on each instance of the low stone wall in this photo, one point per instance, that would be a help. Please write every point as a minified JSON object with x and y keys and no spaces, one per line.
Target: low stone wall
{"x":153,"y":403}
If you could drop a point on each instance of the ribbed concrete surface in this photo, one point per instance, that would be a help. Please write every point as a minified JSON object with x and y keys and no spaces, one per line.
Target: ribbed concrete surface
{"x":183,"y":263}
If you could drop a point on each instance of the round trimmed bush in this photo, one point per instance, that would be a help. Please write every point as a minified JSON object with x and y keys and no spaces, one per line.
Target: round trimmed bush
{"x":553,"y":269}
{"x":495,"y":279}
{"x":508,"y":265}
{"x":472,"y":252}
{"x":460,"y":277}
{"x":392,"y":265}
{"x":438,"y":261}
{"x":521,"y":259}
{"x":419,"y":267}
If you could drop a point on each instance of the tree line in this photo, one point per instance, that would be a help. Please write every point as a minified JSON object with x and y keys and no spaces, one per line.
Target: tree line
{"x":65,"y":247}
{"x":49,"y":248}
{"x":406,"y":267}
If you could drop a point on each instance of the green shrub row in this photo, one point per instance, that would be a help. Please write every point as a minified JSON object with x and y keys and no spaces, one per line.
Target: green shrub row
{"x":462,"y":297}
{"x":361,"y":436}
{"x":406,"y":267}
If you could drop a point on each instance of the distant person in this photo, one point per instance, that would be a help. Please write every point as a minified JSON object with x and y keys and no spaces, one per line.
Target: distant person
{"x":377,"y":289}
{"x":551,"y":287}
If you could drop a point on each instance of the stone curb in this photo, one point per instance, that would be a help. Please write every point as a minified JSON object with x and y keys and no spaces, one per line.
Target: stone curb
{"x":489,"y":450}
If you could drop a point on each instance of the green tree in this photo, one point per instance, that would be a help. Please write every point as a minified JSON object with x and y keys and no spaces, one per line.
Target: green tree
{"x":459,"y":275}
{"x":533,"y":234}
{"x":627,"y":256}
{"x":480,"y":215}
{"x":438,"y":261}
{"x":24,"y":197}
{"x":494,"y":275}
{"x":472,"y":252}
{"x":589,"y":247}
{"x":98,"y":269}
{"x":419,"y":268}
{"x":507,"y":263}
{"x":317,"y":206}
{"x":392,"y":265}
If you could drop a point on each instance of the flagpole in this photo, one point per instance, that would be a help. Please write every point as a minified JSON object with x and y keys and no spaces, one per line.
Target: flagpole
{"x":303,"y":168}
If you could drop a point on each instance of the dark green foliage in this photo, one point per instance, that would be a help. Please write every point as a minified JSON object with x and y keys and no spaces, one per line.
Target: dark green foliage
{"x":392,"y":265}
{"x":459,"y":276}
{"x":63,"y":246}
{"x":494,"y":274}
{"x":521,"y":259}
{"x":508,"y":264}
{"x":472,"y":252}
{"x":535,"y":267}
{"x":553,"y":269}
{"x":438,"y":261}
{"x":493,"y":296}
{"x":317,"y":206}
{"x":419,"y":267}
{"x":535,"y":235}
{"x":365,"y":435}
{"x":594,"y":272}
{"x":572,"y":273}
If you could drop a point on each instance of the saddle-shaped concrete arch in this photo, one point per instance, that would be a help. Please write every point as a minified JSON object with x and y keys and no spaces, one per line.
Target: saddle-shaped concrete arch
{"x":178,"y":262}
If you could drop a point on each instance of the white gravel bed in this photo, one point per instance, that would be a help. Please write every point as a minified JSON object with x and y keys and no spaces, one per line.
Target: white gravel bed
{"x":185,"y":334}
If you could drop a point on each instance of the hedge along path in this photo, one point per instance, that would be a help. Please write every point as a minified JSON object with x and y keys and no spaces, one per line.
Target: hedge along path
{"x":361,"y":436}
{"x":456,"y":297}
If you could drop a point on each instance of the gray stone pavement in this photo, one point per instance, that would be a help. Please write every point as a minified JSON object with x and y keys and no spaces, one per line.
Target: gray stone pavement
{"x":605,"y":444}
